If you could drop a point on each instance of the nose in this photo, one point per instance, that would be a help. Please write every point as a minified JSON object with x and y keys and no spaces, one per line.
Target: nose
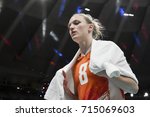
{"x":71,"y":27}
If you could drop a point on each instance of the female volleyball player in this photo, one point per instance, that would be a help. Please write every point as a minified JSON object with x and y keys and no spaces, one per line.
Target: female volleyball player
{"x":99,"y":69}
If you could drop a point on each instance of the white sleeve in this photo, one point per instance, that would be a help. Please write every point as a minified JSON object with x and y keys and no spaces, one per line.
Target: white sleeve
{"x":106,"y":55}
{"x":55,"y":90}
{"x":118,"y":60}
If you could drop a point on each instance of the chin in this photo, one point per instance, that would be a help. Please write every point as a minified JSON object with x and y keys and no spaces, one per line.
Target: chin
{"x":75,"y":40}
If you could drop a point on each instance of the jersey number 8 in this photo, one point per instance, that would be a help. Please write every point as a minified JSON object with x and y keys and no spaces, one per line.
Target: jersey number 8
{"x":82,"y":74}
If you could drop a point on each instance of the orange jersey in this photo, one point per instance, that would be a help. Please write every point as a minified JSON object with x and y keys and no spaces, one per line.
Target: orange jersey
{"x":88,"y":85}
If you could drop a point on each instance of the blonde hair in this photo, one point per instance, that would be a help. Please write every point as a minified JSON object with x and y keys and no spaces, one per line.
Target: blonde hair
{"x":98,"y":27}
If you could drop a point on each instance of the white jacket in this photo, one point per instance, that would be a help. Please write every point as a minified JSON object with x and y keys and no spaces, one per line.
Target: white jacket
{"x":106,"y":59}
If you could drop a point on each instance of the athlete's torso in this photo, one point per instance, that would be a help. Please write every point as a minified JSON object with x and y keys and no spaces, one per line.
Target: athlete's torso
{"x":88,"y":85}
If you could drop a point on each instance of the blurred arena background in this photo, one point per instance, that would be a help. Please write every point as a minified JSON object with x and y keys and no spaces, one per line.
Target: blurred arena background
{"x":34,"y":41}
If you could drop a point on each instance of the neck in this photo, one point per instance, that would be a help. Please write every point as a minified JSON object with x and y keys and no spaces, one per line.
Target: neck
{"x":85,"y":46}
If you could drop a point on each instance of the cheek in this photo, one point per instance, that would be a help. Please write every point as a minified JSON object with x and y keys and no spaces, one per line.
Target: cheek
{"x":82,"y":29}
{"x":69,"y":31}
{"x":79,"y":28}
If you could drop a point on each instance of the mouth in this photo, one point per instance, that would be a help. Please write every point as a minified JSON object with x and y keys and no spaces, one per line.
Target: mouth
{"x":73,"y":33}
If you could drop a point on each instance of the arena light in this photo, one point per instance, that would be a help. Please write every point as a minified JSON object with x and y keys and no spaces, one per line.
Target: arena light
{"x":44,"y":27}
{"x":62,"y":7}
{"x":137,"y":39}
{"x":132,"y":95}
{"x":1,"y":5}
{"x":58,"y":52}
{"x":128,"y":15}
{"x":146,"y":94}
{"x":121,"y":11}
{"x":18,"y":88}
{"x":79,"y":9}
{"x":52,"y":33}
{"x":87,"y":9}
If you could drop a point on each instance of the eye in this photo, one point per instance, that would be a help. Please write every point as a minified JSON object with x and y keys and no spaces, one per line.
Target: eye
{"x":76,"y":22}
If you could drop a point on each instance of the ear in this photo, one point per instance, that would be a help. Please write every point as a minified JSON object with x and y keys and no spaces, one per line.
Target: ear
{"x":91,"y":26}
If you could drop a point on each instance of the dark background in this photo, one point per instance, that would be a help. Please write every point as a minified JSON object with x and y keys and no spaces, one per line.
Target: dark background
{"x":34,"y":41}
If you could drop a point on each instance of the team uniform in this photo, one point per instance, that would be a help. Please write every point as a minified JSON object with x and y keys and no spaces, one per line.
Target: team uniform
{"x":88,"y":85}
{"x":89,"y":76}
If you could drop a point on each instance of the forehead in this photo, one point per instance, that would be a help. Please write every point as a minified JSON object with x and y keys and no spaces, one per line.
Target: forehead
{"x":76,"y":17}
